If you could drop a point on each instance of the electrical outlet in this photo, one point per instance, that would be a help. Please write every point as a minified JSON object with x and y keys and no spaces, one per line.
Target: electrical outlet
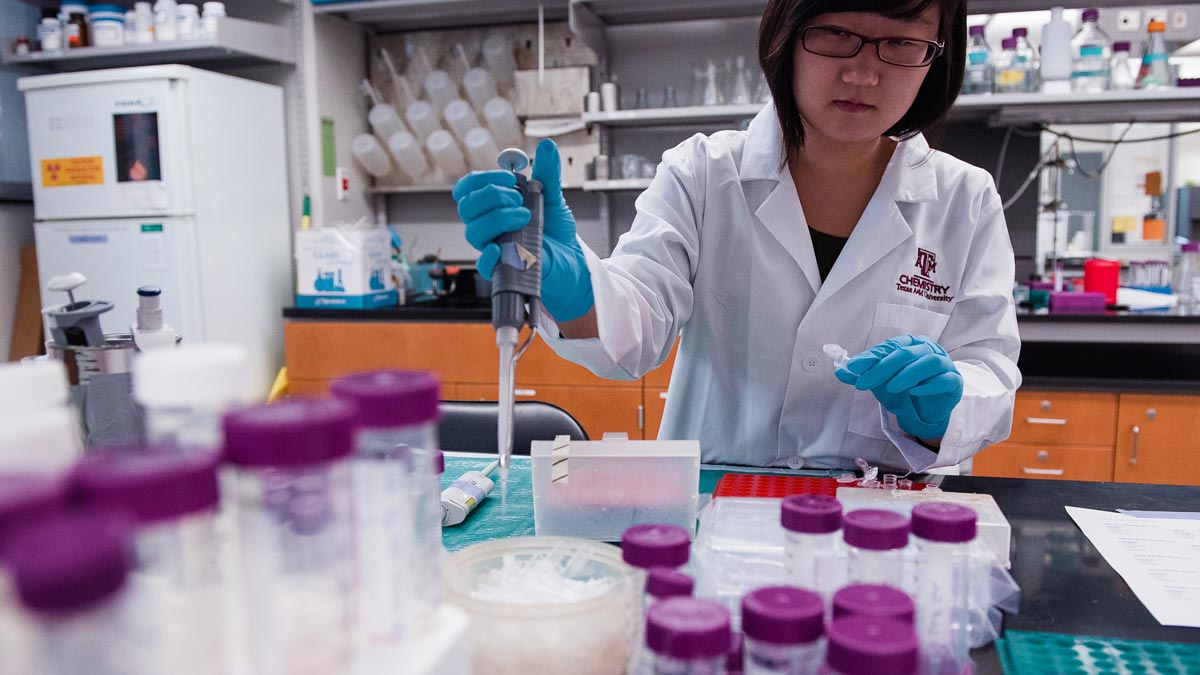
{"x":1129,"y":21}
{"x":343,"y":183}
{"x":1179,"y":19}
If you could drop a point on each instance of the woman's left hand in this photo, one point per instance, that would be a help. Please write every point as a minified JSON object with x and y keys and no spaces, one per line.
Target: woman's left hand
{"x":913,"y":378}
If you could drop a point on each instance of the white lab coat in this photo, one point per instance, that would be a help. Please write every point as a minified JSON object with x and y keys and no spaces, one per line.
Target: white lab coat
{"x":720,"y":250}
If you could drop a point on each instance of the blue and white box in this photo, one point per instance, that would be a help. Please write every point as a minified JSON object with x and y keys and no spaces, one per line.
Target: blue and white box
{"x":344,"y":268}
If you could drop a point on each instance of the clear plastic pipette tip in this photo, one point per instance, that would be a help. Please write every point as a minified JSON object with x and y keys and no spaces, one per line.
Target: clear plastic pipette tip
{"x":840,"y":356}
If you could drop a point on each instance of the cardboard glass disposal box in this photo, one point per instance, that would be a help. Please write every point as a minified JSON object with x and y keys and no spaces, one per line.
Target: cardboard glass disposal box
{"x":598,"y":489}
{"x":344,"y":268}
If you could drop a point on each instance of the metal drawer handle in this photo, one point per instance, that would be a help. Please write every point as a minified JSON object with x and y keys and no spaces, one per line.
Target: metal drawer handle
{"x":1041,"y":472}
{"x":1053,"y":421}
{"x":525,"y":392}
{"x":1137,"y":432}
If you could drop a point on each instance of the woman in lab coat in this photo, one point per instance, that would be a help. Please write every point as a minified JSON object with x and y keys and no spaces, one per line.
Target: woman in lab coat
{"x":828,"y":221}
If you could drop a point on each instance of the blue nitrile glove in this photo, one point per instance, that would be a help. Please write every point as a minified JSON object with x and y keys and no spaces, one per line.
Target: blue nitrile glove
{"x":913,"y":378}
{"x":490,"y":205}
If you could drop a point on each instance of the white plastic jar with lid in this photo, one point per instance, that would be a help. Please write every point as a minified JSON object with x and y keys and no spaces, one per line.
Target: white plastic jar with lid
{"x":50,"y":35}
{"x":165,"y":21}
{"x":145,"y":22}
{"x":108,"y":32}
{"x":292,"y":461}
{"x":39,"y":428}
{"x":187,"y":21}
{"x":131,"y":27}
{"x":213,"y":13}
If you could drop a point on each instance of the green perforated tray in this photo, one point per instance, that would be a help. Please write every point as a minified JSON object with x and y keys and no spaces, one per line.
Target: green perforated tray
{"x":1026,"y":653}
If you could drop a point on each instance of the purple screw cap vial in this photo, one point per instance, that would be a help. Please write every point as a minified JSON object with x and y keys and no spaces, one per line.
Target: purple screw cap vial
{"x":1020,"y":32}
{"x":875,"y":529}
{"x":650,"y":545}
{"x":688,"y":629}
{"x":873,"y":600}
{"x":388,"y":399}
{"x":811,"y":514}
{"x":25,"y":497}
{"x":69,"y":560}
{"x":665,"y":582}
{"x":944,"y":522}
{"x":861,"y":645}
{"x":1091,"y":14}
{"x":1008,"y":43}
{"x":783,"y":615}
{"x":294,"y":432}
{"x":1121,"y":47}
{"x":976,"y":30}
{"x":150,"y":484}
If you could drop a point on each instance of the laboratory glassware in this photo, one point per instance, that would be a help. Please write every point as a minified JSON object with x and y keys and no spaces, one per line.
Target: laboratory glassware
{"x":876,"y":540}
{"x":292,"y":493}
{"x":783,"y":627}
{"x":812,"y":525}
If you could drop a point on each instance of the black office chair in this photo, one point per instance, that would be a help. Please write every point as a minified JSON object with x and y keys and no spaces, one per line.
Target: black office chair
{"x":470,"y":426}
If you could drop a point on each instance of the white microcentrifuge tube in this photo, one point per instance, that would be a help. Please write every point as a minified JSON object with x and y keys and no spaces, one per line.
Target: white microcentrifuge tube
{"x":498,"y":55}
{"x":461,"y":118}
{"x":480,"y":87}
{"x":839,"y":355}
{"x":409,"y":156}
{"x":502,"y":120}
{"x":367,"y":150}
{"x":445,"y":153}
{"x":440,"y":88}
{"x":422,"y":119}
{"x":401,"y":91}
{"x":481,"y":147}
{"x":383,"y":118}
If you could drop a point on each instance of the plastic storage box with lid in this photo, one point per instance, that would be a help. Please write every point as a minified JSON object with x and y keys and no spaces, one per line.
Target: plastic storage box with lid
{"x":993,"y":528}
{"x":598,"y":489}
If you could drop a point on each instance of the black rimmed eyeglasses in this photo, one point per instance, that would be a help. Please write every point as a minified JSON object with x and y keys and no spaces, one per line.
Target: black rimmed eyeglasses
{"x":840,"y":43}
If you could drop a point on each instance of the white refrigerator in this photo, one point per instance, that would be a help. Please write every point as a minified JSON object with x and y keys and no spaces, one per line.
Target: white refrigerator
{"x":167,"y":176}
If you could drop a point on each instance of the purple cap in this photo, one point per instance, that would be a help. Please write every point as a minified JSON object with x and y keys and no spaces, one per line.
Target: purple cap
{"x":944,"y":522}
{"x":69,"y":560}
{"x":390,"y":398}
{"x":874,"y":600}
{"x":1091,"y":14}
{"x":735,"y":661}
{"x":976,"y":30}
{"x":297,"y":431}
{"x":875,"y":529}
{"x":1191,"y":247}
{"x":27,"y":496}
{"x":664,"y":582}
{"x":783,"y":615}
{"x":811,"y":514}
{"x":649,"y":546}
{"x":148,"y":484}
{"x":439,"y":462}
{"x":1020,"y":32}
{"x":1120,"y":46}
{"x":686,"y":628}
{"x":1008,"y":43}
{"x":869,"y":646}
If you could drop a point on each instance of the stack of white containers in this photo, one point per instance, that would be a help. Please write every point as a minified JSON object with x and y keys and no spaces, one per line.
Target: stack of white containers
{"x":457,"y":112}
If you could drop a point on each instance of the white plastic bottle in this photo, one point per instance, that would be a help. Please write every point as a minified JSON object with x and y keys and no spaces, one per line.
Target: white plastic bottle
{"x":812,"y":525}
{"x":1121,"y":76}
{"x":980,"y":73}
{"x":1091,"y":49}
{"x":943,"y":534}
{"x":500,"y":117}
{"x":371,"y":155}
{"x":409,"y":156}
{"x":1055,"y":67}
{"x":296,"y":531}
{"x":1156,"y":71}
{"x":876,"y":540}
{"x":165,"y":21}
{"x":446,"y":154}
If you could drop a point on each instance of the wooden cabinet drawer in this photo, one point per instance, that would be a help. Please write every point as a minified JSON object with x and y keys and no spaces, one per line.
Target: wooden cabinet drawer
{"x":598,"y":410}
{"x":1159,"y":439}
{"x":1055,"y":462}
{"x":1065,"y":418}
{"x":455,"y":352}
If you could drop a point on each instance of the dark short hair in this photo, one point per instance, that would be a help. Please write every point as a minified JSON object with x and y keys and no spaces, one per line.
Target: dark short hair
{"x":781,"y":24}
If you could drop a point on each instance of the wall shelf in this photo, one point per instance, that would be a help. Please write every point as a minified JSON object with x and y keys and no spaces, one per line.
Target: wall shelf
{"x":684,"y":116}
{"x":237,"y":42}
{"x":437,"y":189}
{"x":406,"y":15}
{"x":617,"y":185}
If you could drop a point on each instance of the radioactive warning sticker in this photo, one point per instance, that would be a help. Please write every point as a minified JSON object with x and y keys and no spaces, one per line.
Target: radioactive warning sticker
{"x":72,"y":171}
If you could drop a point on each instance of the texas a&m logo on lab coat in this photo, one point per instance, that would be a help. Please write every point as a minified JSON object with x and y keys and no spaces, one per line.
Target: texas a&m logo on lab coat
{"x":921,"y":284}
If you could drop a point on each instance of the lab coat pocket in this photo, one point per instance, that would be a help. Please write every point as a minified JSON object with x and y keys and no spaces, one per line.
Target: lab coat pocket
{"x":891,"y":320}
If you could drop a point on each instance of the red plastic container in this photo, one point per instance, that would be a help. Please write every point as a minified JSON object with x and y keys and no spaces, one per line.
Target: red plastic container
{"x":778,"y":487}
{"x":1102,"y":276}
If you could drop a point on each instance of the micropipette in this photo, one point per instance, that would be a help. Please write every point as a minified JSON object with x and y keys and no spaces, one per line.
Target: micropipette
{"x":466,"y":494}
{"x":516,"y":282}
